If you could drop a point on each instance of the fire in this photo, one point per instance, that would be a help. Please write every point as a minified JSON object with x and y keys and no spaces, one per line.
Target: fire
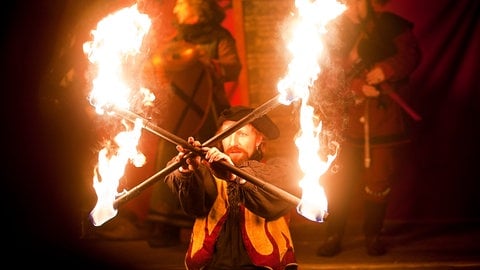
{"x":117,"y":37}
{"x":306,"y":47}
{"x":110,"y":170}
{"x":116,"y":41}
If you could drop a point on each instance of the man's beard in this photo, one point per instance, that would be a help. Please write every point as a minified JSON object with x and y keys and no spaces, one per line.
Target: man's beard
{"x":237,"y":155}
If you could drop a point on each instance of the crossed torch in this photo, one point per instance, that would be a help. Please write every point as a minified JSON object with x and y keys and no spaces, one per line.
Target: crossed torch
{"x":303,"y":69}
{"x":135,"y":191}
{"x":258,"y":112}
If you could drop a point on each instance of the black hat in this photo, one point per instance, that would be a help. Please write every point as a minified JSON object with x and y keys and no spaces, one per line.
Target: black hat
{"x":263,"y":124}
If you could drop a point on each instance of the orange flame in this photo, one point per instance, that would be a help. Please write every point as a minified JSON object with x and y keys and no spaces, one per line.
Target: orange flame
{"x":116,"y":40}
{"x":306,"y":47}
{"x":111,"y":168}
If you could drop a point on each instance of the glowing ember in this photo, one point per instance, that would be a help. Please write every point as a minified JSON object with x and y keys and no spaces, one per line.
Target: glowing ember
{"x":306,"y":47}
{"x":117,"y":39}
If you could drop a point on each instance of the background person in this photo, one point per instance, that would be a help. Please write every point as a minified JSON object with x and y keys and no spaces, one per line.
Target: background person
{"x":193,"y":64}
{"x":378,"y":52}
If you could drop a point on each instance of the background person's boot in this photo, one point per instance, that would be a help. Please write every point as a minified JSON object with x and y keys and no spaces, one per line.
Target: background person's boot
{"x":374,"y":216}
{"x":375,"y":246}
{"x":331,"y":246}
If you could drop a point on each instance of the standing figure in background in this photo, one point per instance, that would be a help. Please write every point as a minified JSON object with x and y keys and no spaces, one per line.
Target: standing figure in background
{"x":238,"y":225}
{"x":187,"y":72}
{"x":378,"y":51}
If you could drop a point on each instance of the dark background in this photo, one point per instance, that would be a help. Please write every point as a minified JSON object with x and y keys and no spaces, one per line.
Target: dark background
{"x":50,"y":138}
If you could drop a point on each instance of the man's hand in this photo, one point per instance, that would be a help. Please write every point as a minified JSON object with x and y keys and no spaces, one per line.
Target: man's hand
{"x":370,"y":91}
{"x":191,"y":163}
{"x":215,"y":155}
{"x":375,"y":76}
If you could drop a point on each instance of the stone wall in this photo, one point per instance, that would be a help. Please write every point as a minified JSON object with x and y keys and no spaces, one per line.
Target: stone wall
{"x":267,"y":60}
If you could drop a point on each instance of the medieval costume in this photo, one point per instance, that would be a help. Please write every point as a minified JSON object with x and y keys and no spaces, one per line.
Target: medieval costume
{"x":374,"y":128}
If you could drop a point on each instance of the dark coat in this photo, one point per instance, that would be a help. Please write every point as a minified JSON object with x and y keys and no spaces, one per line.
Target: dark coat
{"x":387,"y":41}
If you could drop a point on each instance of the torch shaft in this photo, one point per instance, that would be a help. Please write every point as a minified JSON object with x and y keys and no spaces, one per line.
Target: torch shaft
{"x":131,"y":116}
{"x":135,"y":191}
{"x":270,"y":188}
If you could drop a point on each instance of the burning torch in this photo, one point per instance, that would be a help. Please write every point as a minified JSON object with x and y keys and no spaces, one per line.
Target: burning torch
{"x":302,"y":73}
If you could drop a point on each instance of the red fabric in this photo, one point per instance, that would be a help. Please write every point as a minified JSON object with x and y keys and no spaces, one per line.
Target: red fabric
{"x":447,"y":97}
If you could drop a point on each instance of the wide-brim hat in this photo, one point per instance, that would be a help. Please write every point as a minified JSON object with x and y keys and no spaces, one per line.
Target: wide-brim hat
{"x":263,"y":124}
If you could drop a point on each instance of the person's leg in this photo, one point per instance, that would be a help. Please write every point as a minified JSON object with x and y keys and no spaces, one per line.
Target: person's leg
{"x":339,"y":189}
{"x":378,"y":180}
{"x":374,"y":217}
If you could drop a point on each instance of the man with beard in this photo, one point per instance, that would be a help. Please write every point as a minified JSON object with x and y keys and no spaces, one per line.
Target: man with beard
{"x":238,"y":225}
